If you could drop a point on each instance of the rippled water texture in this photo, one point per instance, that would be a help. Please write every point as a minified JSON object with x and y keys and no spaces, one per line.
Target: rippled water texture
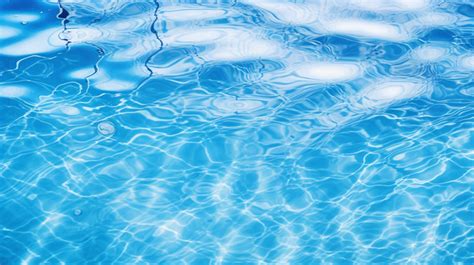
{"x":236,"y":132}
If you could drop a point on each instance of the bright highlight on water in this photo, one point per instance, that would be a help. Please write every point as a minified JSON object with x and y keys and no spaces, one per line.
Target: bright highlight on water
{"x":236,"y":132}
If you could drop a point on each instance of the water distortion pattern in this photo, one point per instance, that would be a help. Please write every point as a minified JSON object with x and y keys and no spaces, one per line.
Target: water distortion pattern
{"x":236,"y":132}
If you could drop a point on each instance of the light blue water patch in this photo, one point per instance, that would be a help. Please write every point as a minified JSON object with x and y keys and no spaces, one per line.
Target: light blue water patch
{"x":236,"y":132}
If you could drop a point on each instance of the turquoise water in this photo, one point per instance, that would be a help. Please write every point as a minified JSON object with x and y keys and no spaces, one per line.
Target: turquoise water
{"x":236,"y":132}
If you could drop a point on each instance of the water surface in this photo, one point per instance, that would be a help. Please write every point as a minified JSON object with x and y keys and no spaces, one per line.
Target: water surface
{"x":236,"y":132}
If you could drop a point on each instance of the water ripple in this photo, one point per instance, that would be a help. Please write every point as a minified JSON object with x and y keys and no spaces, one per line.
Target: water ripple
{"x":236,"y":132}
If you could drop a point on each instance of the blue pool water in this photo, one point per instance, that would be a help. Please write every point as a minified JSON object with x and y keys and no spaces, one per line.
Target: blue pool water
{"x":236,"y":132}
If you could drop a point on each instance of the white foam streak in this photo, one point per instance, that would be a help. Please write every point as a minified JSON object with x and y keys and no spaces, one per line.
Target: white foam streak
{"x":467,"y":62}
{"x":391,"y":5}
{"x":70,"y":110}
{"x":21,"y":17}
{"x":190,"y":13}
{"x":380,"y":94}
{"x":114,"y":85}
{"x":82,"y":73}
{"x":386,"y":92}
{"x":8,"y":32}
{"x":429,"y":53}
{"x":366,"y":28}
{"x":12,"y":91}
{"x":225,"y":43}
{"x":329,"y":71}
{"x":44,"y":41}
{"x":435,"y":19}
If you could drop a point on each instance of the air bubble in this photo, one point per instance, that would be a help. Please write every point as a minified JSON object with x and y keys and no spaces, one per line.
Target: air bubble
{"x":77,"y":212}
{"x":106,"y":128}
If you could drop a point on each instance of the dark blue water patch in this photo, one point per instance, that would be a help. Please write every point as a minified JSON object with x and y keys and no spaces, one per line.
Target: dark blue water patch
{"x":7,"y":64}
{"x":466,"y":10}
{"x":22,"y":214}
{"x":391,"y":51}
{"x":12,"y":246}
{"x":440,"y":35}
{"x":19,"y":5}
{"x":11,"y":110}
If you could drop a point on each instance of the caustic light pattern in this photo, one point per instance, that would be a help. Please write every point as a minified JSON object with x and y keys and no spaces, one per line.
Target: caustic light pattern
{"x":236,"y":132}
